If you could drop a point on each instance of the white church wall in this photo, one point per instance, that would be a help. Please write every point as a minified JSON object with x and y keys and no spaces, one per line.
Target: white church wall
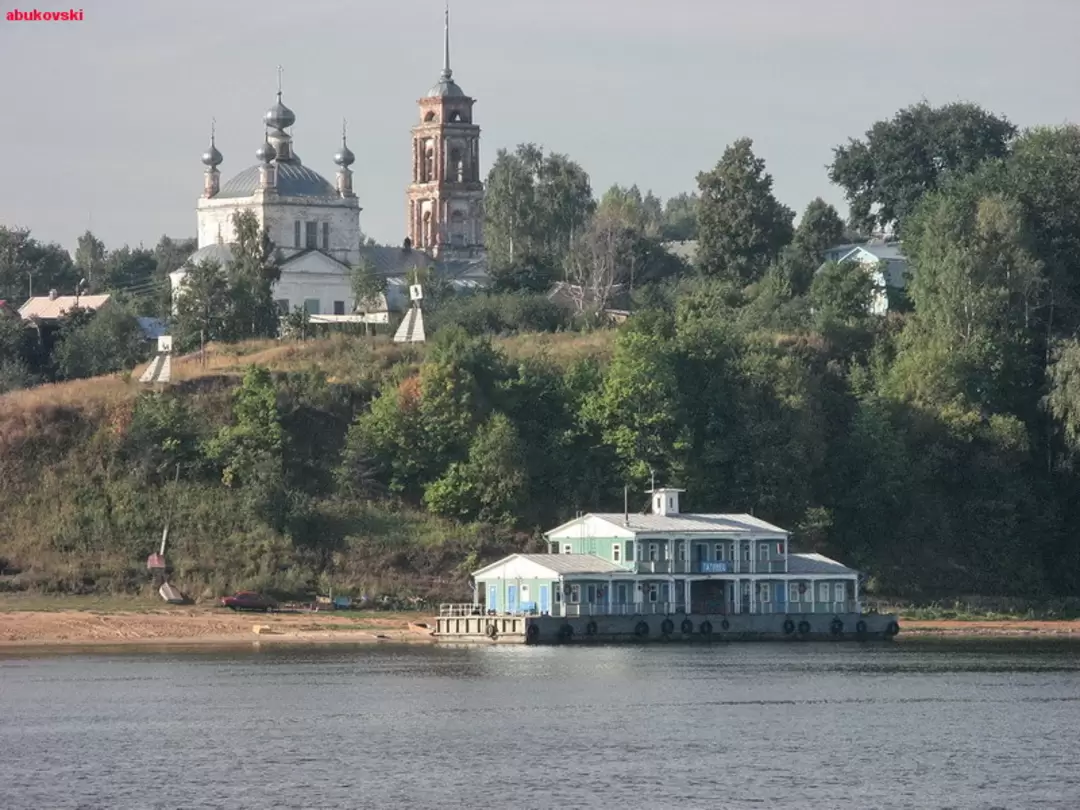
{"x":343,"y":217}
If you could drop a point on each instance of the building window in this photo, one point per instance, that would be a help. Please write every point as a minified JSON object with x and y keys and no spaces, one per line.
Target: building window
{"x":339,"y":307}
{"x":312,"y":306}
{"x":763,"y":591}
{"x":567,"y":548}
{"x":748,"y":552}
{"x":630,"y":549}
{"x":326,"y":236}
{"x":779,"y":551}
{"x":558,"y":592}
{"x":680,"y":550}
{"x":575,"y":594}
{"x":823,"y":592}
{"x":654,"y":552}
{"x":841,"y":592}
{"x":616,"y":553}
{"x":763,"y":552}
{"x":312,"y":236}
{"x":524,"y":593}
{"x":282,"y":305}
{"x":793,"y":592}
{"x":653,"y":593}
{"x":620,"y":593}
{"x":719,"y":552}
{"x":296,"y":234}
{"x":590,"y":594}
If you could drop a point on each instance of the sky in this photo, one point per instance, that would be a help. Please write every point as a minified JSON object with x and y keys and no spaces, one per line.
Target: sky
{"x":104,"y":120}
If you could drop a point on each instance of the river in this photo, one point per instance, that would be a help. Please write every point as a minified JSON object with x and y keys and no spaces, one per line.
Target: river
{"x":914,"y":724}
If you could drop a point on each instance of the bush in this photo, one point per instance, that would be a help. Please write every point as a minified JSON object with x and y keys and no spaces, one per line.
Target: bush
{"x":501,"y":314}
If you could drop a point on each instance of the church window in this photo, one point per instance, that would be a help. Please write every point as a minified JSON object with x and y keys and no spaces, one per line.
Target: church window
{"x":457,"y":166}
{"x":429,"y":117}
{"x":296,"y":235}
{"x":312,"y":240}
{"x":312,"y":306}
{"x":326,"y":238}
{"x":455,"y":117}
{"x":339,"y":307}
{"x":427,"y":230}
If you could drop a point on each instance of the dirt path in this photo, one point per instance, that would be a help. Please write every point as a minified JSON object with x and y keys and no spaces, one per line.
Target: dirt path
{"x":198,"y":626}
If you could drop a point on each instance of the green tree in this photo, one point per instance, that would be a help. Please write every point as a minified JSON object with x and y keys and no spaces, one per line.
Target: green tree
{"x":534,"y":206}
{"x":366,"y":283}
{"x":842,"y":295}
{"x":819,"y":229}
{"x":99,"y":343}
{"x":90,"y":260}
{"x":24,"y":260}
{"x":249,"y":450}
{"x":909,"y":155}
{"x":636,"y":410}
{"x":252,"y":273}
{"x":492,"y":484}
{"x":742,"y":227}
{"x":680,"y":223}
{"x":202,"y":303}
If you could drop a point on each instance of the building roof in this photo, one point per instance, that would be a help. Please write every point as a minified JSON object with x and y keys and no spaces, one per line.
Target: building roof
{"x":293,"y":180}
{"x":395,"y":261}
{"x":690,"y":523}
{"x":816,"y":564}
{"x":562,"y":563}
{"x":47,"y":308}
{"x":687,"y":251}
{"x":218,"y":252}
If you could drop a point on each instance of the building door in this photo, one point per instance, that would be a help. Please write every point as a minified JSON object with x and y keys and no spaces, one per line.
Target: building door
{"x":511,"y":598}
{"x":493,"y":598}
{"x":745,"y":600}
{"x":544,"y":599}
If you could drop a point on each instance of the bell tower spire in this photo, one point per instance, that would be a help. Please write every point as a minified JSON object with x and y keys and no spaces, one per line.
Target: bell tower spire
{"x":446,"y":196}
{"x":447,"y":73}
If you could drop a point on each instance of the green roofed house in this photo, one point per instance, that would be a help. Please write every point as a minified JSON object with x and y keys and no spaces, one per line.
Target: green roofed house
{"x":664,"y":574}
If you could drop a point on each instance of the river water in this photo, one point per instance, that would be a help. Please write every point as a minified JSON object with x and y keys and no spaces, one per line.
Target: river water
{"x":912,"y":724}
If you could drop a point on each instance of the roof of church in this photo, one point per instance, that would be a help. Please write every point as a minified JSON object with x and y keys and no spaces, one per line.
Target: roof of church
{"x":293,"y":180}
{"x":218,"y":252}
{"x":395,"y":261}
{"x":446,"y":88}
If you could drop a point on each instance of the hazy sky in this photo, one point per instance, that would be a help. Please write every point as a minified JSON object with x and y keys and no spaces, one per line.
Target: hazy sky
{"x":104,"y":120}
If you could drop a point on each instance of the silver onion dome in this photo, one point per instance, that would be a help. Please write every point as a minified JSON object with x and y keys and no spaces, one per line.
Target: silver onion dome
{"x":265,"y":153}
{"x":344,"y":156}
{"x":212,"y":157}
{"x":279,"y":116}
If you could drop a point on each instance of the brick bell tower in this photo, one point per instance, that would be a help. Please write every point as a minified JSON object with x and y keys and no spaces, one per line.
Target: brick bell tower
{"x":446,"y":196}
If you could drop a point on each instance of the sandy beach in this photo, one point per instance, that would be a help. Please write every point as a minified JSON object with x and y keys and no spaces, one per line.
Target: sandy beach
{"x":210,"y":626}
{"x":195,"y":626}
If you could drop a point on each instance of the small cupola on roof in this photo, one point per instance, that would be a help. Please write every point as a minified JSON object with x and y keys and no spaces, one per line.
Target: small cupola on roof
{"x":277,"y":119}
{"x":665,"y":501}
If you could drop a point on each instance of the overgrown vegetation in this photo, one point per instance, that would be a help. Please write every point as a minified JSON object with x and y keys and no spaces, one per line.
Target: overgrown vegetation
{"x":934,"y":448}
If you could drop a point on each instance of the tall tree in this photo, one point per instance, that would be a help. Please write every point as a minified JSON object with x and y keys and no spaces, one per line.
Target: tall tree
{"x":819,"y":229}
{"x":680,"y":222}
{"x":742,"y":227}
{"x":24,"y":261}
{"x":903,"y":158}
{"x":252,"y":273}
{"x":534,"y":205}
{"x":90,"y":259}
{"x":202,"y":304}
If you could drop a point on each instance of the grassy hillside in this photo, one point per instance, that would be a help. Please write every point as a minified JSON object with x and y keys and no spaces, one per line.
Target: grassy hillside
{"x":87,"y":488}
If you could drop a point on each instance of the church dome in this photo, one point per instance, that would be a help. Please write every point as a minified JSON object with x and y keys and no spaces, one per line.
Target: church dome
{"x":344,"y":157}
{"x":293,"y":180}
{"x":446,"y":88}
{"x":212,"y":157}
{"x":265,"y":153}
{"x":279,"y":116}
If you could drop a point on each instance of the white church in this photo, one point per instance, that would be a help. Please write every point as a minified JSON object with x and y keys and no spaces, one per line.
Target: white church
{"x":315,"y":223}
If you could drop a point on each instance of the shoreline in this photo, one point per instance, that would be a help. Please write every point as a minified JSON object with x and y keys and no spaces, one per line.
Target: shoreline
{"x":210,"y":628}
